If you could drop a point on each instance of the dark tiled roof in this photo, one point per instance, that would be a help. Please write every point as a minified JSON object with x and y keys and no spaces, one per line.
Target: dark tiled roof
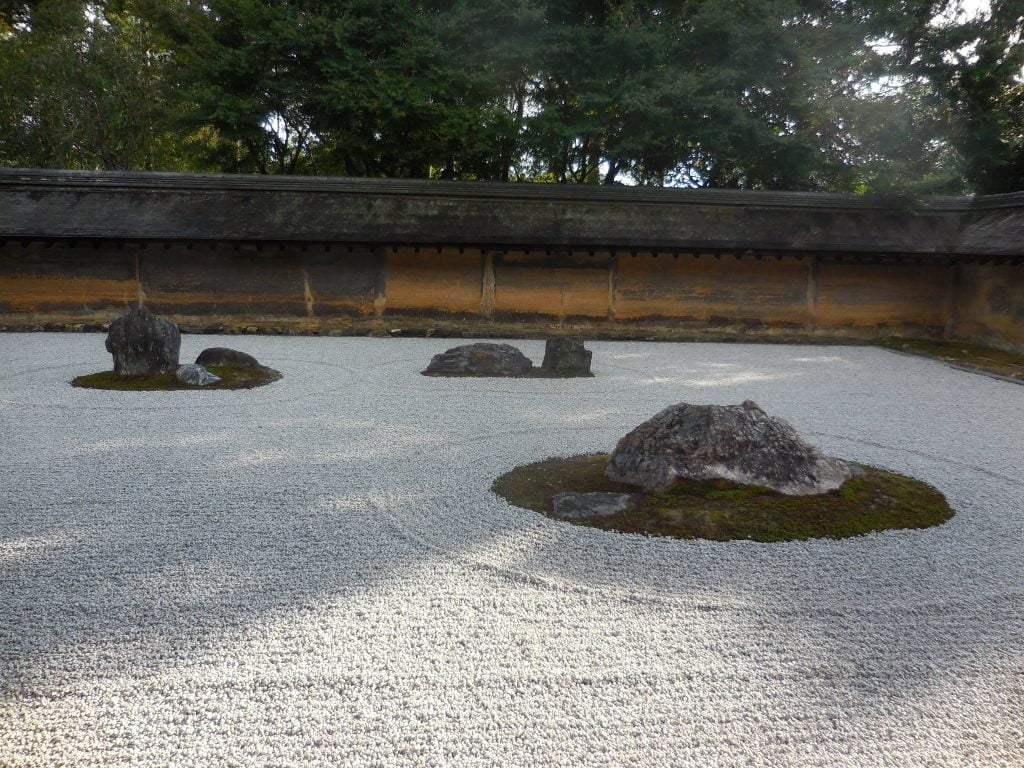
{"x":171,"y":206}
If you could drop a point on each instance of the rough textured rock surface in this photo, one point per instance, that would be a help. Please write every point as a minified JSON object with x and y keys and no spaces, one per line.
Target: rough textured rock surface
{"x":195,"y":374}
{"x":575,"y":506}
{"x":567,"y":355}
{"x":739,"y":443}
{"x":481,"y":359}
{"x":227,"y":356}
{"x":143,"y":343}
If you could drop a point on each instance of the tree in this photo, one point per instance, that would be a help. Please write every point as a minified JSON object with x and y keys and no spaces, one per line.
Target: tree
{"x":83,"y":86}
{"x":978,"y":67}
{"x":692,"y":91}
{"x":358,"y":87}
{"x":847,"y":95}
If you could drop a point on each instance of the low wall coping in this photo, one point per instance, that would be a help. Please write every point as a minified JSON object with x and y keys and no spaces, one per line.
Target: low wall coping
{"x":38,"y":203}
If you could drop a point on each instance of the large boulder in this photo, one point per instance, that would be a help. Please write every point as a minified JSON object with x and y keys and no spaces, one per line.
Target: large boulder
{"x":143,"y":344}
{"x":481,"y":359}
{"x":567,"y":355}
{"x":739,"y":443}
{"x":225,"y":356}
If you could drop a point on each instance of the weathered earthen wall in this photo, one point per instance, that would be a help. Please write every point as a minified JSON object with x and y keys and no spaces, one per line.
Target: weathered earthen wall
{"x":989,"y":306}
{"x":718,"y":289}
{"x":375,"y":288}
{"x":426,"y":282}
{"x":373,"y":255}
{"x":66,"y":279}
{"x":567,"y":286}
{"x":892,"y":299}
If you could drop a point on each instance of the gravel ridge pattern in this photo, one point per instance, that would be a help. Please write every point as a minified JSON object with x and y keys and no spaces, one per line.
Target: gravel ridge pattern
{"x":315,"y":573}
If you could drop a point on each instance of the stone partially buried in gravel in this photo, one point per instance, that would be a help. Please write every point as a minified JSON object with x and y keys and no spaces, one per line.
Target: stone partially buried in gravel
{"x":575,"y":506}
{"x":481,"y":359}
{"x":739,"y":443}
{"x":195,"y":374}
{"x":226,"y":356}
{"x":143,"y":344}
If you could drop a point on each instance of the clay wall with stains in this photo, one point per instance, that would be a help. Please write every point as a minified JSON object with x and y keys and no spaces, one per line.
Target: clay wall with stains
{"x":374,"y":288}
{"x":386,"y":255}
{"x":989,"y":306}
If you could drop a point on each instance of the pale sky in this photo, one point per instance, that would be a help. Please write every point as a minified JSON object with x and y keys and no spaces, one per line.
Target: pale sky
{"x":973,"y":7}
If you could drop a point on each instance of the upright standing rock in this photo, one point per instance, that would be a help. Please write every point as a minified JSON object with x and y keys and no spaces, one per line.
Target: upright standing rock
{"x":739,"y":443}
{"x":567,"y":355}
{"x":143,"y":343}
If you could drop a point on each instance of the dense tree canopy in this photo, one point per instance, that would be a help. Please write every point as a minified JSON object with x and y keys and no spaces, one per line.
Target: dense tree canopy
{"x":857,"y":95}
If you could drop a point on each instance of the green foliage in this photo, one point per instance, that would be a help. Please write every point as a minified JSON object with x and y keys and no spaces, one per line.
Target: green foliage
{"x":844,"y":95}
{"x":84,"y":90}
{"x":978,"y":67}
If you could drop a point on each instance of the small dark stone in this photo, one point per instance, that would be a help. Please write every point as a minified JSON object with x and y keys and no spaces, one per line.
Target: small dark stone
{"x":481,"y":359}
{"x":195,"y":374}
{"x":143,"y":344}
{"x":738,"y":443}
{"x":575,"y":506}
{"x":567,"y":355}
{"x":227,"y":356}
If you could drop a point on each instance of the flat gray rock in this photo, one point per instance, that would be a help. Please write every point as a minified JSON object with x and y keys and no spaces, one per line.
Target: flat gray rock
{"x":739,"y":443}
{"x":480,"y":359}
{"x":143,"y":344}
{"x":195,"y":374}
{"x":577,"y":506}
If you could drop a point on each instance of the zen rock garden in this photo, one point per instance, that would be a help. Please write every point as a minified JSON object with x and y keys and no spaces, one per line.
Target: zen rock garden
{"x":356,"y":500}
{"x":722,"y":472}
{"x":691,"y":471}
{"x":145,"y":349}
{"x":564,"y":357}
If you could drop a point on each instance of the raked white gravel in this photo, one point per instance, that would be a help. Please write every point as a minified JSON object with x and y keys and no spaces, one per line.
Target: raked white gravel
{"x":315,"y":573}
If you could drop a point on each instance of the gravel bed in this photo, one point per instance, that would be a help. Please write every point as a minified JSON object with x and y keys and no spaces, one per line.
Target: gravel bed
{"x":315,"y":573}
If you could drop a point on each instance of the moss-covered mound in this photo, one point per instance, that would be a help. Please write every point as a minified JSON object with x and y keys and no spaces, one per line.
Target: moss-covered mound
{"x":231,"y":377}
{"x":874,"y":500}
{"x":980,"y":358}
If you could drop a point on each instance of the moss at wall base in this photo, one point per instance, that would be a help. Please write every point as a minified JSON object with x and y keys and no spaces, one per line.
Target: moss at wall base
{"x":462,"y":327}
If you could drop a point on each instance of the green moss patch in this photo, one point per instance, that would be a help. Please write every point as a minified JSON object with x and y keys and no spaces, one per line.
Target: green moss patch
{"x":988,"y":359}
{"x":231,"y":377}
{"x":875,"y":500}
